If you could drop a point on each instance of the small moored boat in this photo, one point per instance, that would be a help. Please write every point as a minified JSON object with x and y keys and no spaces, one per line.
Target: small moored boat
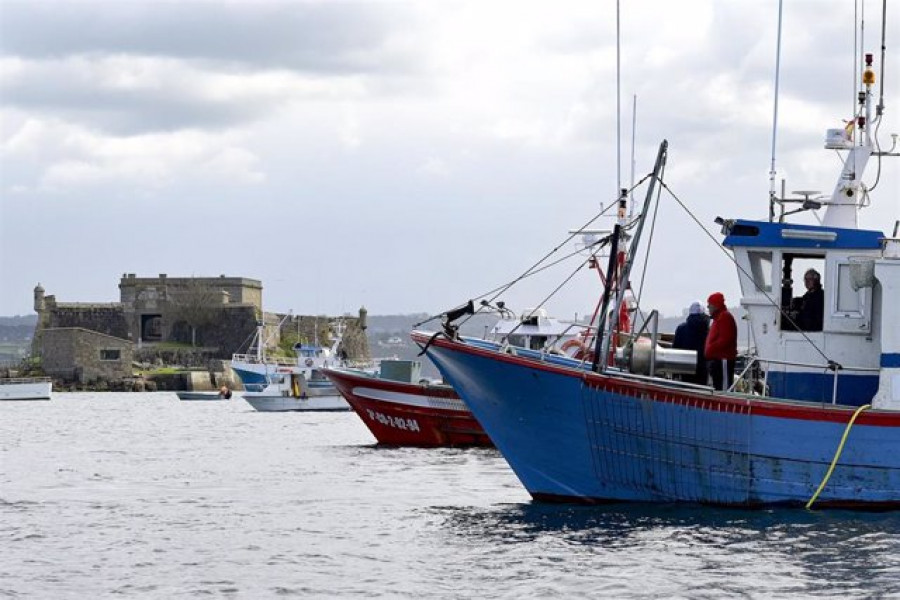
{"x":223,"y":394}
{"x":26,"y":388}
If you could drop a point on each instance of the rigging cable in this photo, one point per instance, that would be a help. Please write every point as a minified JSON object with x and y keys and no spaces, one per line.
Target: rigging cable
{"x":831,"y":364}
{"x":550,"y":295}
{"x":650,"y":240}
{"x":599,"y":244}
{"x":533,"y":269}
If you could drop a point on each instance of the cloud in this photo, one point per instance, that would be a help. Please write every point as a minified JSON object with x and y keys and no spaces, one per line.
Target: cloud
{"x":299,"y":36}
{"x":75,"y":156}
{"x":435,"y":167}
{"x":128,"y":94}
{"x":380,"y":116}
{"x":348,"y":128}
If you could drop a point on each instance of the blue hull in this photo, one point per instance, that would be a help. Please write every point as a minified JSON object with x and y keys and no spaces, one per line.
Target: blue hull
{"x":257,"y":382}
{"x":575,"y":436}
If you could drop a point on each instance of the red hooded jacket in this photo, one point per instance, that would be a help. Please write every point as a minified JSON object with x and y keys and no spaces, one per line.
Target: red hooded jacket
{"x":721,"y":343}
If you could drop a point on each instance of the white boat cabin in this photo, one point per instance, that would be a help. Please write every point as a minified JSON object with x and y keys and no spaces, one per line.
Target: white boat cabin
{"x":847,"y":351}
{"x":534,"y":330}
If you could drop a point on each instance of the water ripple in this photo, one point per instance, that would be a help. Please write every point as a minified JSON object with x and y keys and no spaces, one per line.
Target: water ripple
{"x":142,"y":496}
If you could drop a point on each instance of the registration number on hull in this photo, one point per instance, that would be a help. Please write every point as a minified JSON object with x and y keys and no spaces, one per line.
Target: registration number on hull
{"x":395,"y":422}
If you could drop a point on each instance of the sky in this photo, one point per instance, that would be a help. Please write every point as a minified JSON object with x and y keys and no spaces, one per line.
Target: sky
{"x":409,"y":156}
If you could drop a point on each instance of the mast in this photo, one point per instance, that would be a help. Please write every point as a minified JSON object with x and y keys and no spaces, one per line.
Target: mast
{"x":848,"y":192}
{"x":620,"y":278}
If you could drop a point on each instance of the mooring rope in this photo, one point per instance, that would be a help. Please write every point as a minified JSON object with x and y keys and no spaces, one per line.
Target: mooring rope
{"x":837,"y":454}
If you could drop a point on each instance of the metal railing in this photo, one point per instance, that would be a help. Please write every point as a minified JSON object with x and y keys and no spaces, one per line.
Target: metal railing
{"x":831,"y":366}
{"x":282,"y":361}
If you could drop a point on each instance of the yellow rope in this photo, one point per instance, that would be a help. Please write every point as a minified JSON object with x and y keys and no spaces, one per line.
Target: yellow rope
{"x":837,"y":454}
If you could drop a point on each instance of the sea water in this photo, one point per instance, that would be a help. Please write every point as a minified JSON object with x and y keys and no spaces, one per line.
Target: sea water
{"x":106,"y":495}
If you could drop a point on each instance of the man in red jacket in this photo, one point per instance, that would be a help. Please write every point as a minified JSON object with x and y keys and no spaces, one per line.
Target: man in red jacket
{"x":721,"y":343}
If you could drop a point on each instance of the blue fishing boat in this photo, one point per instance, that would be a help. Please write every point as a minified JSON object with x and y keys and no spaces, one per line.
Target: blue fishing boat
{"x":812,"y":418}
{"x":282,"y":384}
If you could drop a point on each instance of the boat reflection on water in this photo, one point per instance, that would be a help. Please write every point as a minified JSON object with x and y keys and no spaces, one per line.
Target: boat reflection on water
{"x":677,"y":546}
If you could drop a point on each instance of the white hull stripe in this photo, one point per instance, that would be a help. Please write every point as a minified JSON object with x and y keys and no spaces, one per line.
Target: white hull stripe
{"x":419,"y":400}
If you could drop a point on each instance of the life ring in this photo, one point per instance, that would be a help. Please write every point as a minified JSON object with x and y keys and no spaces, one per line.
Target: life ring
{"x":581,"y":351}
{"x":309,"y":362}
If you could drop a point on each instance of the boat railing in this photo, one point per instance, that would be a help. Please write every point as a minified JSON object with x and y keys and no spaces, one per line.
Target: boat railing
{"x":746,"y":373}
{"x":12,"y":380}
{"x":565,"y":334}
{"x":364,"y":364}
{"x":283,"y":361}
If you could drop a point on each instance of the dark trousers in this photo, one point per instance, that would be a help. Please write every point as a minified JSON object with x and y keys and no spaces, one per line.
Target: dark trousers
{"x":722,"y":372}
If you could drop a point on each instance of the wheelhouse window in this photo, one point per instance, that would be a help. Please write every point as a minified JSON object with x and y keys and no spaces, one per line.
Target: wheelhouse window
{"x":761,"y":269}
{"x":848,"y":301}
{"x":537,"y":342}
{"x":802,"y":292}
{"x":516,"y":340}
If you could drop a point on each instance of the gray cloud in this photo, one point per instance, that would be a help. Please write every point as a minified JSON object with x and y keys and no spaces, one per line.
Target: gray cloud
{"x":62,"y":92}
{"x":70,"y":60}
{"x":333,"y":37}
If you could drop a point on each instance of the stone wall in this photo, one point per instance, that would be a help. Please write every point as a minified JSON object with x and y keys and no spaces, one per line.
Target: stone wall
{"x":76,"y":354}
{"x":102,"y":318}
{"x":154,"y":305}
{"x":230,"y":329}
{"x":240,"y":290}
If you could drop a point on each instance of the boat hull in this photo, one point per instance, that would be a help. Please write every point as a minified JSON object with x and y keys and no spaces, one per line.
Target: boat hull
{"x":266,"y":403}
{"x":21,"y":389}
{"x":574,"y":436}
{"x":200,"y":396}
{"x":410,"y":414}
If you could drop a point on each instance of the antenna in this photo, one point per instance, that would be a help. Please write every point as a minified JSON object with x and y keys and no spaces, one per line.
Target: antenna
{"x":618,"y":104}
{"x":880,"y":108}
{"x":633,"y":128}
{"x":772,"y":171}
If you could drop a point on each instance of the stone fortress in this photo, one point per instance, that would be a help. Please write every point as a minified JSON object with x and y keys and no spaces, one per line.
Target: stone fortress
{"x":185,"y":321}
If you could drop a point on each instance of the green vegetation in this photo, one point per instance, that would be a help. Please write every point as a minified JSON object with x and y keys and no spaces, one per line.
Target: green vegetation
{"x":171,"y":345}
{"x":286,"y":345}
{"x":140,"y":372}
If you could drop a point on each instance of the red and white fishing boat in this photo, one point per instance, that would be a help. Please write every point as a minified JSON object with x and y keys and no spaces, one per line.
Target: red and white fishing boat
{"x":400,"y":409}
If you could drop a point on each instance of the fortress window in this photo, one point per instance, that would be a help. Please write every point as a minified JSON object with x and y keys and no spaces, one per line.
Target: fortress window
{"x":110,"y":354}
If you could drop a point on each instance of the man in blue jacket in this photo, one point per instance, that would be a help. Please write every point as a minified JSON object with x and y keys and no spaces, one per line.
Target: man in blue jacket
{"x":691,"y":335}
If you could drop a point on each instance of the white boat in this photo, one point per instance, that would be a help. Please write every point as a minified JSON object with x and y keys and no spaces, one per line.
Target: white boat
{"x":297,"y":384}
{"x":392,"y":342}
{"x":534,"y":329}
{"x":26,"y":388}
{"x":275,"y":400}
